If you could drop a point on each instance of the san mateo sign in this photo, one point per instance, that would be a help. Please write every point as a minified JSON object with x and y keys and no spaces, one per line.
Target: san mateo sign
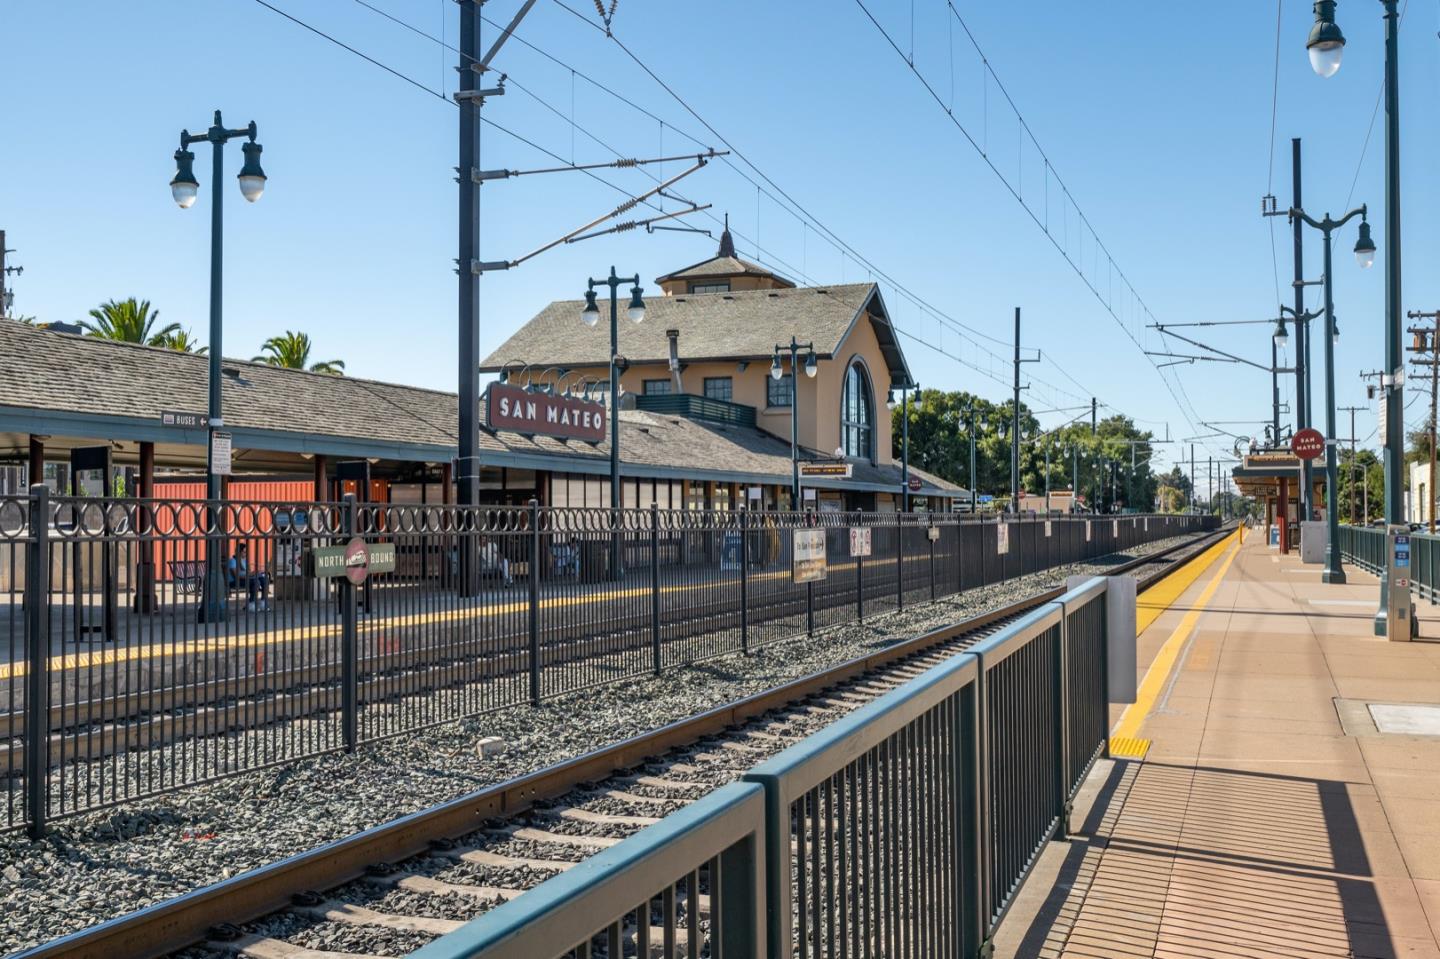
{"x":509,"y":407}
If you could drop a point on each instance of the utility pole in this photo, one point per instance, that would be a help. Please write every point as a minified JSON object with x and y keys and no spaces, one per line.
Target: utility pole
{"x":1426,"y":341}
{"x":1094,"y":428}
{"x":471,"y":97}
{"x":1302,"y":333}
{"x":1015,"y":425}
{"x":6,"y":298}
{"x":1352,"y":410}
{"x":1192,"y":478}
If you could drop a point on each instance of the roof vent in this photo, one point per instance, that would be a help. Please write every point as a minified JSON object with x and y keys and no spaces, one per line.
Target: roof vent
{"x":679,"y":299}
{"x":822,"y":290}
{"x":774,"y":296}
{"x":728,"y":297}
{"x":230,"y":371}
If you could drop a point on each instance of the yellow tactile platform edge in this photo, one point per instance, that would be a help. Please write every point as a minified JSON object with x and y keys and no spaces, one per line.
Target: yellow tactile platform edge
{"x":1128,"y":747}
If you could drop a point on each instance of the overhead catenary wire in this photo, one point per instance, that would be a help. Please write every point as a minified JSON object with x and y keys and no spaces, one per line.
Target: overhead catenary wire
{"x":1076,"y":260}
{"x":802,"y":215}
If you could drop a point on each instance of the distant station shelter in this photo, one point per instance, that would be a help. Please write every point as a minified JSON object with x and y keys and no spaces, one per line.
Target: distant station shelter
{"x":1273,"y":478}
{"x":702,"y":422}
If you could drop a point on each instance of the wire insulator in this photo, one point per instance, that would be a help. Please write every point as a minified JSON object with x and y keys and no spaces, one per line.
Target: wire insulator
{"x":622,"y":227}
{"x":622,"y":163}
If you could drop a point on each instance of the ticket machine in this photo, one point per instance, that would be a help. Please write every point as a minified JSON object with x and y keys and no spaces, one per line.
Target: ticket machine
{"x":1401,"y":626}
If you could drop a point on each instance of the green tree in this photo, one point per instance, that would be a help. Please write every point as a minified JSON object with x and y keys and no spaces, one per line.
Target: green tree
{"x":1418,"y":448}
{"x":940,"y":443}
{"x":181,"y":341}
{"x":129,"y":321}
{"x":1356,"y":474}
{"x":292,"y":352}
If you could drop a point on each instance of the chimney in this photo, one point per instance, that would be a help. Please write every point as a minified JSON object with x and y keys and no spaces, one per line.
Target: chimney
{"x":674,"y":337}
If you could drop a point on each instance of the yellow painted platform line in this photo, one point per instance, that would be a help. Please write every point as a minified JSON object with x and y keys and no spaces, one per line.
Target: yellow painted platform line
{"x":1128,"y":747}
{"x":1165,"y":593}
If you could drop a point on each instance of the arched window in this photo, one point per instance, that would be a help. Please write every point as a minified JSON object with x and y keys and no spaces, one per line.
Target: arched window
{"x":857,"y":414}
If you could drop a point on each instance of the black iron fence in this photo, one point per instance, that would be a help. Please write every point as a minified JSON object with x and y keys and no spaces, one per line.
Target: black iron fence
{"x":154,"y":644}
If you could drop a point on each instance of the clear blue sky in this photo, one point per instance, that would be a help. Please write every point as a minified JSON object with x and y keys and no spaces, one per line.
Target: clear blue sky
{"x":1158,"y":123}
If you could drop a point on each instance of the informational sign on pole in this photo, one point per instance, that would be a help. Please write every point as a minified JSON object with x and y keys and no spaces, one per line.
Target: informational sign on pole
{"x":220,"y":447}
{"x":859,"y":541}
{"x":1047,"y":529}
{"x":1087,"y":531}
{"x":1002,"y":538}
{"x":809,"y":555}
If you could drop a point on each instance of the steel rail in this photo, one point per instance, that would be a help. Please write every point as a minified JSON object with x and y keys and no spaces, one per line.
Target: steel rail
{"x":174,"y":924}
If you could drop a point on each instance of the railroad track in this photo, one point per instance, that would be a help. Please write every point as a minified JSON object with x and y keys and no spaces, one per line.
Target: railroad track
{"x":390,"y":889}
{"x":153,"y":718}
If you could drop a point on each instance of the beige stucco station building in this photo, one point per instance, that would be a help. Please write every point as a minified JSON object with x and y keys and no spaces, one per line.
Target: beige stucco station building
{"x":706,"y":430}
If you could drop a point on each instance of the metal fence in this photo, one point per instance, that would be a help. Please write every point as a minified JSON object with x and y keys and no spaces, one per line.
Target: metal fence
{"x":136,"y":665}
{"x":1365,"y":547}
{"x":904,"y":829}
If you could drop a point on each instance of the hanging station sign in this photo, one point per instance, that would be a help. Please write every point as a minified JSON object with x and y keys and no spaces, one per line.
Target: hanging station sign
{"x":826,"y":470}
{"x":509,"y":407}
{"x":1307,"y":444}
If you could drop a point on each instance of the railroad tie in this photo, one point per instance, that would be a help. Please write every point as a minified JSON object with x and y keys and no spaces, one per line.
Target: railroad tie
{"x":484,"y":857}
{"x":263,"y":947}
{"x":637,"y":799}
{"x":657,"y":782}
{"x":436,"y":887}
{"x":532,"y":834}
{"x":609,"y":819}
{"x":354,"y":915}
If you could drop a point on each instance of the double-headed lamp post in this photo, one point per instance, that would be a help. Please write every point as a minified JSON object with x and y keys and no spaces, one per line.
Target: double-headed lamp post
{"x":1326,"y":44}
{"x":1334,"y":571}
{"x":185,"y":188}
{"x":591,"y":315}
{"x":973,"y":418}
{"x":777,"y":370}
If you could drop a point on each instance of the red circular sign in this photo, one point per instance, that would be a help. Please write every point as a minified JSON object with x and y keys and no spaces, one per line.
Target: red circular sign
{"x":357,"y":560}
{"x":914,"y":484}
{"x":1307,"y":444}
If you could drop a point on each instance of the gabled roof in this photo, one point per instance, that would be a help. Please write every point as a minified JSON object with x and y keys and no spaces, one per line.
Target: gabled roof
{"x":744,"y":325}
{"x":720,"y":267}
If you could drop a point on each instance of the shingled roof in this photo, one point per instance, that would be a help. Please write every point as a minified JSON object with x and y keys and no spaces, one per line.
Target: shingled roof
{"x":742,"y":325}
{"x":119,"y":390}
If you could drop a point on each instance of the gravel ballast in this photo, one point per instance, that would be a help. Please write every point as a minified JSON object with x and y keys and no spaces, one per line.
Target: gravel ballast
{"x":98,"y":866}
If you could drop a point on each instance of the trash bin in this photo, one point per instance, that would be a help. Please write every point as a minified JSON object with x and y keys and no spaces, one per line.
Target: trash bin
{"x":594,"y":561}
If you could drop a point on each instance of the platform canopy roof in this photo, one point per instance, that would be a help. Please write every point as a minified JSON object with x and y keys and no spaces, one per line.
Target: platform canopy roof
{"x":79,"y":391}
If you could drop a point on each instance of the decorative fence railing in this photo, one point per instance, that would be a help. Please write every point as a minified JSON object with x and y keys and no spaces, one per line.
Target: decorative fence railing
{"x":905,"y":829}
{"x":1365,"y":547}
{"x":136,"y":665}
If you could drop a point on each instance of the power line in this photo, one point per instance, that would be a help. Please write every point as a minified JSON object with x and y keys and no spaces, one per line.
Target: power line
{"x":1106,"y":300}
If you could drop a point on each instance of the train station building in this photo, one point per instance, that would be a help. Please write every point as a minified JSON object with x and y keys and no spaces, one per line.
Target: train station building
{"x":702,"y":422}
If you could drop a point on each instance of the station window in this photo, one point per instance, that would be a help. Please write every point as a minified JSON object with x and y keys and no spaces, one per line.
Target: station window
{"x":657,"y":387}
{"x":779,"y":392}
{"x":722,"y":286}
{"x":857,"y":414}
{"x":719,"y":388}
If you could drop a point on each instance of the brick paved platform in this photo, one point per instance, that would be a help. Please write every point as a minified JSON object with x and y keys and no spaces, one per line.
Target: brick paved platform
{"x":1270,"y":816}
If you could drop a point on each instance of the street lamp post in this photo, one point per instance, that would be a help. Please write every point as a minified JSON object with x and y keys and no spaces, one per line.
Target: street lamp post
{"x":1334,"y":571}
{"x":1326,"y":44}
{"x":1075,"y":479}
{"x":777,"y":370}
{"x":904,"y":440}
{"x":591,"y":315}
{"x":185,"y":189}
{"x":973,"y":418}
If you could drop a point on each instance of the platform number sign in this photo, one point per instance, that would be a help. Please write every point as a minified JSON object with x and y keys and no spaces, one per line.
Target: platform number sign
{"x":1002,"y":539}
{"x":809,"y":555}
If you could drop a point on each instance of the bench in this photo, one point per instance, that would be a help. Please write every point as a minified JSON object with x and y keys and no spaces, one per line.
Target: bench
{"x":188,"y":575}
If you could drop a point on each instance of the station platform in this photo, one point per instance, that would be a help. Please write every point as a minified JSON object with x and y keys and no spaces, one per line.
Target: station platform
{"x":1274,"y":792}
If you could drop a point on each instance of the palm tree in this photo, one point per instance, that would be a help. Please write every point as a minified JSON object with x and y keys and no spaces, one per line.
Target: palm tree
{"x":181,"y":341}
{"x":128,"y":321}
{"x":292,"y":352}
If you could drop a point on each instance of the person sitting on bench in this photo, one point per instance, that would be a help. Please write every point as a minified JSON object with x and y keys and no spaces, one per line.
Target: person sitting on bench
{"x":492,"y":562}
{"x":238,"y":572}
